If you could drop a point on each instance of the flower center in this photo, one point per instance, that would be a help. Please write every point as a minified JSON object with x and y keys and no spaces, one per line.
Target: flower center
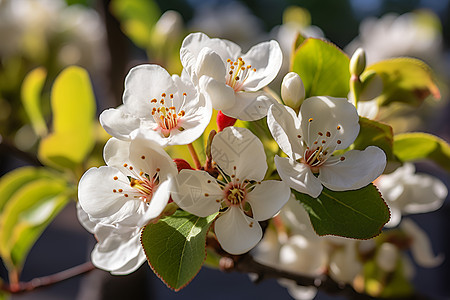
{"x":321,"y":148}
{"x":235,"y":194}
{"x":237,"y":73}
{"x":143,"y":184}
{"x":167,"y":118}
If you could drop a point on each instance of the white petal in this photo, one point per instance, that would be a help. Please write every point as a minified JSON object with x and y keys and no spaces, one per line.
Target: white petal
{"x":298,"y":292}
{"x":116,"y":152}
{"x":285,"y":129}
{"x":327,"y":113}
{"x":132,"y":265}
{"x":421,"y":246}
{"x":236,"y":232}
{"x":239,"y":152}
{"x":357,"y":170}
{"x":209,"y":63}
{"x":298,"y":176}
{"x":95,"y":191}
{"x":157,"y":204}
{"x":197,"y":192}
{"x":250,"y":106}
{"x":267,"y":198}
{"x":83,"y":217}
{"x":118,"y":123}
{"x":142,"y":84}
{"x":217,"y":92}
{"x":266,"y":58}
{"x":115,"y":252}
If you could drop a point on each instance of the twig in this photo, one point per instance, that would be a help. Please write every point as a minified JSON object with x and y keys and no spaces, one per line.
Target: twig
{"x":35,"y":283}
{"x":194,"y":155}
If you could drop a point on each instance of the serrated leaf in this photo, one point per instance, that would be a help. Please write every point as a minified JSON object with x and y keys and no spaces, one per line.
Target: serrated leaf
{"x":406,"y":80}
{"x":415,"y":146}
{"x":175,"y":247}
{"x":25,"y":216}
{"x":359,"y":214}
{"x":73,"y":108}
{"x":373,"y":133}
{"x":31,"y":99}
{"x":323,"y":68}
{"x":137,"y":19}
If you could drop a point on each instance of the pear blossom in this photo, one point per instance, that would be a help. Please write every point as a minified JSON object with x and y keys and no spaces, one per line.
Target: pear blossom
{"x":241,"y":196}
{"x":162,"y":108}
{"x":232,"y":81}
{"x":117,"y":200}
{"x":323,"y":125}
{"x":407,"y":192}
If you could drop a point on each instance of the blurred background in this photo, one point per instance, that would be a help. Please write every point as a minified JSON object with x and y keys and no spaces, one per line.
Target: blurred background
{"x":108,"y":38}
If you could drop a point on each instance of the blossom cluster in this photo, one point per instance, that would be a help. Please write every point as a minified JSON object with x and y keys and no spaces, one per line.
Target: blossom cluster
{"x":141,"y":183}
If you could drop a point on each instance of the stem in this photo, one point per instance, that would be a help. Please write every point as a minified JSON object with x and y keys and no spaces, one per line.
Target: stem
{"x":194,"y":155}
{"x":21,"y":287}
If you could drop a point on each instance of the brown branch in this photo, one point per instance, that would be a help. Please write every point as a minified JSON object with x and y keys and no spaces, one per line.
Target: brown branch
{"x":40,"y":282}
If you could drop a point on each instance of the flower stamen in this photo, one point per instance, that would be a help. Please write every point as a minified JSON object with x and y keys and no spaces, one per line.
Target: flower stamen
{"x":237,"y":73}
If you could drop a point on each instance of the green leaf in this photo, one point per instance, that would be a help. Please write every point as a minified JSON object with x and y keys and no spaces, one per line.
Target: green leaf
{"x":323,"y":68}
{"x":137,"y":19}
{"x":419,"y":146}
{"x":359,"y":214}
{"x":406,"y":80}
{"x":175,"y":247}
{"x":31,"y":98}
{"x":27,"y":214}
{"x":73,"y":107}
{"x":373,"y":133}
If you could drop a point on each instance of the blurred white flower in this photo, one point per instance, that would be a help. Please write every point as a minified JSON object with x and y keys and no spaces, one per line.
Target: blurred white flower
{"x":240,"y":158}
{"x":407,"y":192}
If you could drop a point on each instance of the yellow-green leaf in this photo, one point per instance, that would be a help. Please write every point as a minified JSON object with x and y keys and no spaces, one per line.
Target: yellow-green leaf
{"x":406,"y":80}
{"x":73,"y":108}
{"x":31,"y":99}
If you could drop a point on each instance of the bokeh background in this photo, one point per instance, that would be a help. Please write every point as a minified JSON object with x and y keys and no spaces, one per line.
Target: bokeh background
{"x":57,"y":33}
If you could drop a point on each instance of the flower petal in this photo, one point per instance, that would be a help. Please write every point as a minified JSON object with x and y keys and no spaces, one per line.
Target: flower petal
{"x":324,"y":114}
{"x":96,"y":191}
{"x":250,"y":106}
{"x":358,"y":169}
{"x":298,"y":176}
{"x":266,"y":58}
{"x":239,"y":152}
{"x":197,"y":192}
{"x":285,"y":129}
{"x":209,"y":63}
{"x":142,"y":84}
{"x":118,"y":123}
{"x":217,"y":92}
{"x":267,"y":198}
{"x":236,"y":232}
{"x":158,"y":202}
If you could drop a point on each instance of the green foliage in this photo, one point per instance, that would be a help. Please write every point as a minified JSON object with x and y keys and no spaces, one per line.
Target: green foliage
{"x":175,"y":247}
{"x":359,"y":214}
{"x":34,"y":197}
{"x":323,"y":68}
{"x":373,"y":133}
{"x":406,"y":80}
{"x":73,"y":108}
{"x":31,"y":99}
{"x":419,"y":146}
{"x":137,"y":19}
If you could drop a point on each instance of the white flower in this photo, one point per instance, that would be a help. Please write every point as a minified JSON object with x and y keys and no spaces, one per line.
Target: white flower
{"x":165,"y":109}
{"x":409,"y":193}
{"x":117,"y":200}
{"x":242,"y":197}
{"x":229,"y":79}
{"x":323,"y":125}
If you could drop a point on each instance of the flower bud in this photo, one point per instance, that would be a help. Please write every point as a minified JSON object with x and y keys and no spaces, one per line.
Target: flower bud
{"x":224,"y":121}
{"x":292,"y":90}
{"x":170,"y":24}
{"x":182,"y":164}
{"x":358,"y":62}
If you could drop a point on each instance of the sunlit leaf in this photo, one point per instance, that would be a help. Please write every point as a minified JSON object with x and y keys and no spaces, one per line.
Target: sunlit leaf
{"x":31,"y":99}
{"x":175,"y":247}
{"x":27,"y":214}
{"x":406,"y":80}
{"x":73,"y":108}
{"x":323,"y":68}
{"x":373,"y":133}
{"x":359,"y":214}
{"x":137,"y":19}
{"x":415,"y":146}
